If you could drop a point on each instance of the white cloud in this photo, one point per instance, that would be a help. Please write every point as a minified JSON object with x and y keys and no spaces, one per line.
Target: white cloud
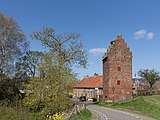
{"x":140,"y":34}
{"x":143,"y":34}
{"x":150,"y":35}
{"x":97,"y":51}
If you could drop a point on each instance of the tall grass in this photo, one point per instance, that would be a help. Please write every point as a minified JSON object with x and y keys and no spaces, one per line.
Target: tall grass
{"x":84,"y":114}
{"x":13,"y":113}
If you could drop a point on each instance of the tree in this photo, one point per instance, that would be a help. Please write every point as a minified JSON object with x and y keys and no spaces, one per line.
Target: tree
{"x":65,"y":47}
{"x":30,"y":61}
{"x":55,"y":72}
{"x":47,"y":91}
{"x":151,"y":76}
{"x":12,"y":43}
{"x":26,"y":67}
{"x":8,"y":90}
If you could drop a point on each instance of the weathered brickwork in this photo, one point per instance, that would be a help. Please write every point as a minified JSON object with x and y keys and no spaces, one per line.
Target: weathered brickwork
{"x":117,"y":71}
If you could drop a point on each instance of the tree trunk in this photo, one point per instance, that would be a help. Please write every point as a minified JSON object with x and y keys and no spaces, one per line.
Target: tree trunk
{"x":150,"y":92}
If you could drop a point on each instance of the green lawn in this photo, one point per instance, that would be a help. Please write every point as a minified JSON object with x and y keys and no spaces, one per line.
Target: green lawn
{"x":149,"y":105}
{"x":82,"y":115}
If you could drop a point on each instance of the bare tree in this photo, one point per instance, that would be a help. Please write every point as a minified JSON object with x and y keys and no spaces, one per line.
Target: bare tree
{"x":12,"y":43}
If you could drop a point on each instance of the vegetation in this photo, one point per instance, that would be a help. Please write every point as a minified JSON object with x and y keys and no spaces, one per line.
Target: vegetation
{"x":46,"y":77}
{"x":151,"y":76}
{"x":82,"y":115}
{"x":148,"y":105}
{"x":13,"y":44}
{"x":30,"y":61}
{"x":8,"y":90}
{"x":50,"y":88}
{"x":19,"y":113}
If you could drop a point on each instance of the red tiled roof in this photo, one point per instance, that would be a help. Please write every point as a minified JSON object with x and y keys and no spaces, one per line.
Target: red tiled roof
{"x":90,"y":82}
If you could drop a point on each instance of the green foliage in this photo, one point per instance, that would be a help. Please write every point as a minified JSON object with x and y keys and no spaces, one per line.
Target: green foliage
{"x":50,"y":88}
{"x":48,"y":91}
{"x":27,"y":67}
{"x":82,"y":115}
{"x":8,"y":90}
{"x":150,"y":75}
{"x":49,"y":76}
{"x":30,"y":62}
{"x":12,"y":44}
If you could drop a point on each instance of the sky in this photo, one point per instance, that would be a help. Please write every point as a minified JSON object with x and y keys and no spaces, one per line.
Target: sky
{"x":98,"y":22}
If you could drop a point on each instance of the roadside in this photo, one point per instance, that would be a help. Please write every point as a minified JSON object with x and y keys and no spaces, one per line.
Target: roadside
{"x":84,"y":114}
{"x":95,"y":115}
{"x":144,"y":105}
{"x":105,"y":113}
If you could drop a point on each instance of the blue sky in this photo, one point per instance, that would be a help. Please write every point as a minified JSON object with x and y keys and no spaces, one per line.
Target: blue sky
{"x":98,"y":22}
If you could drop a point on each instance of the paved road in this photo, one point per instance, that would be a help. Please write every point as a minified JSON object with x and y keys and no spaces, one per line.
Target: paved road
{"x":101,"y":113}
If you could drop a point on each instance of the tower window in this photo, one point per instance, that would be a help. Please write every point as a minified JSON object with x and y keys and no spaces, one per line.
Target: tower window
{"x":119,"y":68}
{"x":118,"y":82}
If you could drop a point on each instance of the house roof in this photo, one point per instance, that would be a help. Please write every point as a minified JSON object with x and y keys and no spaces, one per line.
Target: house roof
{"x":90,"y":82}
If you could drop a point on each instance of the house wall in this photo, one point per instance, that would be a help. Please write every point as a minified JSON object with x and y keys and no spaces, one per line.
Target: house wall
{"x":142,"y":87}
{"x":88,"y":92}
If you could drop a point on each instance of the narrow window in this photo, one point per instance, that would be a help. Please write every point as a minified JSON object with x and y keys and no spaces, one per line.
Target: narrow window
{"x":118,"y":82}
{"x":119,"y":68}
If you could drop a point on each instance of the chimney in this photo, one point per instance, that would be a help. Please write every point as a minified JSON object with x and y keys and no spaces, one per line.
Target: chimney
{"x":86,"y":76}
{"x":95,"y":74}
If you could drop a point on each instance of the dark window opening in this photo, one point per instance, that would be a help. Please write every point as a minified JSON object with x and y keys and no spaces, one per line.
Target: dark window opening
{"x":118,"y":82}
{"x":119,"y":68}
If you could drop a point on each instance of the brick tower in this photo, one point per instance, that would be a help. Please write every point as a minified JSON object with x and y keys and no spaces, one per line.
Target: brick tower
{"x":117,"y":71}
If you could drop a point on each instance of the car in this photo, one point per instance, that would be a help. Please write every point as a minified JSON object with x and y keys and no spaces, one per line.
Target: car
{"x":82,"y":98}
{"x":90,"y":100}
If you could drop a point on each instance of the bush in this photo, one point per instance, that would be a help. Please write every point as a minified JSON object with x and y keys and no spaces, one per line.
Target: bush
{"x":8,"y":89}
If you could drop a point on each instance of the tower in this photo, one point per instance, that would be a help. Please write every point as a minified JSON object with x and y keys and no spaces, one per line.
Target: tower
{"x":117,"y":71}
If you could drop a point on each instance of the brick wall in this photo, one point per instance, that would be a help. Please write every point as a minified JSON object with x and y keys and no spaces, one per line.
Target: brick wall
{"x":117,"y":71}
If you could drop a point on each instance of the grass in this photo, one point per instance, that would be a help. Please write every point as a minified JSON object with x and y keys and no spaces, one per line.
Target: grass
{"x":149,"y":105}
{"x":12,"y":113}
{"x":82,"y":115}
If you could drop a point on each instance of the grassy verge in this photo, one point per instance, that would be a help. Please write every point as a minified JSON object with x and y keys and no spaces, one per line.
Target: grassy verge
{"x":11,"y":113}
{"x":149,"y":105}
{"x":82,"y":115}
